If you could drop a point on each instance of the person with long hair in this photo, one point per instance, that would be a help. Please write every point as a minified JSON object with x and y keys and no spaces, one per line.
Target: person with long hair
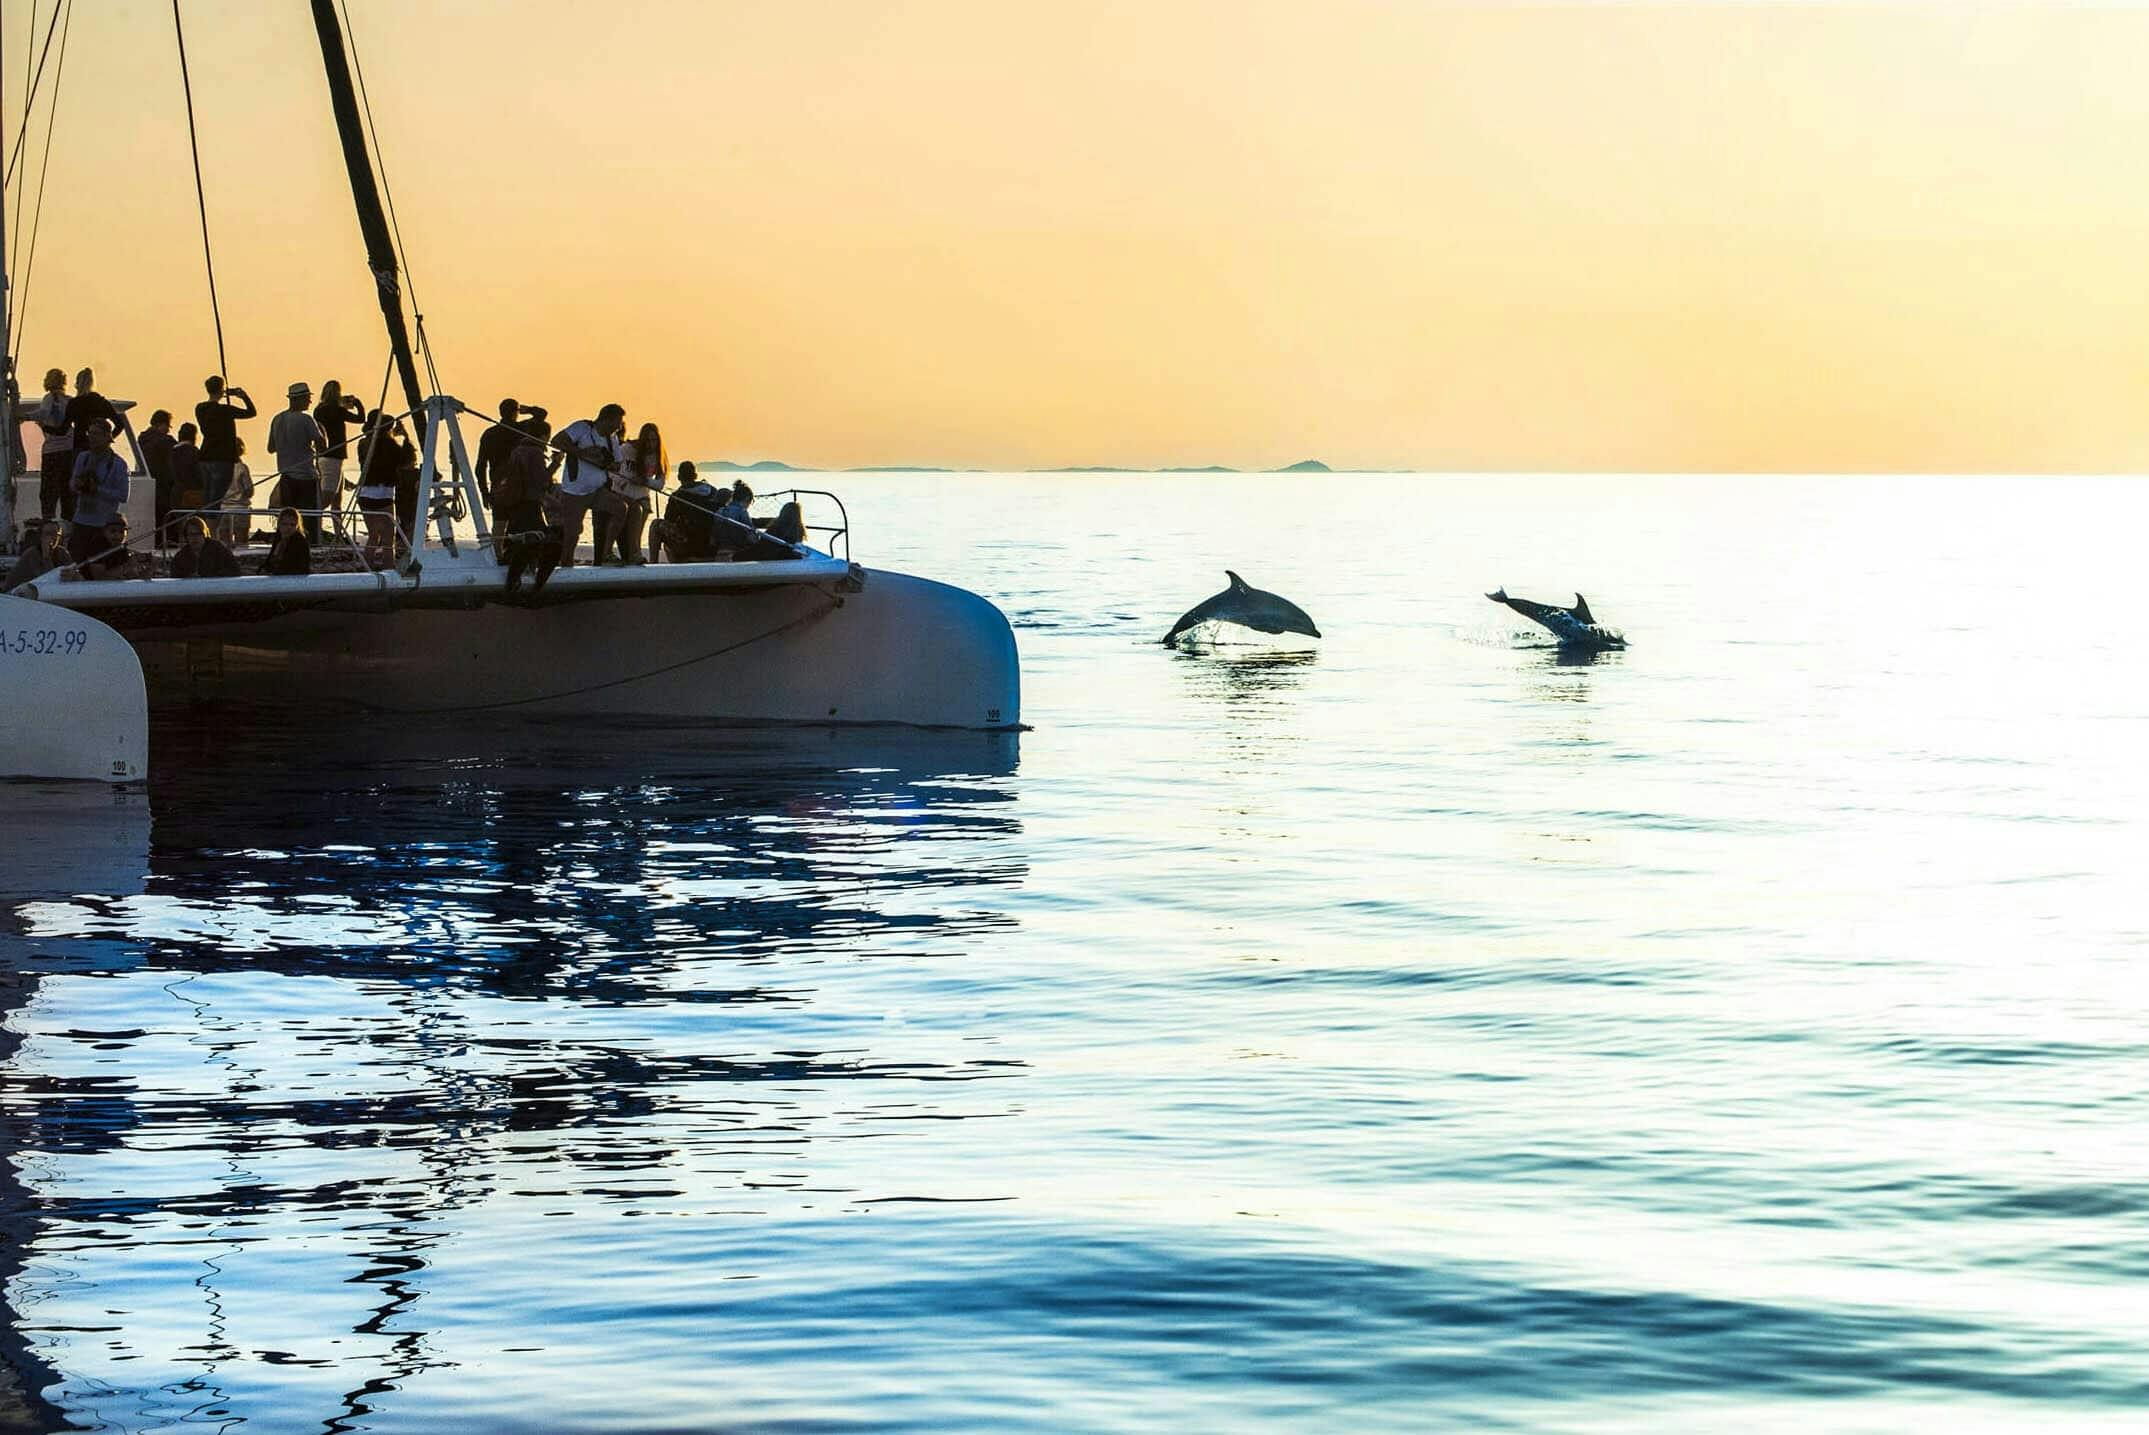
{"x":643,"y":471}
{"x":337,"y":413}
{"x":56,"y":460}
{"x":378,"y":460}
{"x":789,"y":524}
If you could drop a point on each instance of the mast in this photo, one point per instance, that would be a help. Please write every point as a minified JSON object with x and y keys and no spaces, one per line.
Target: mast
{"x":10,"y":430}
{"x":380,"y":250}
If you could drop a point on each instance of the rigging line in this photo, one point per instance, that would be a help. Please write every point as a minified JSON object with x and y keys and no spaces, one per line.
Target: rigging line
{"x":201,"y":199}
{"x":380,"y":165}
{"x":835,"y":601}
{"x":29,"y":93}
{"x":44,"y":172}
{"x":29,"y":54}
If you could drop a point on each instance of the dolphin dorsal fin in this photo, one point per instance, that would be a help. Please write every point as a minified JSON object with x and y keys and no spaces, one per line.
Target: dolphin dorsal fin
{"x":1581,"y":609}
{"x":1236,"y":580}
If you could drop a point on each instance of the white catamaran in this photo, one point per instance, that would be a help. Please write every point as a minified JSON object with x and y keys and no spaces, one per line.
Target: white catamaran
{"x":811,"y":638}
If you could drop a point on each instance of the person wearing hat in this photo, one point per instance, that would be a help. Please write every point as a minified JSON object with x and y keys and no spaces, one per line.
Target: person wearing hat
{"x":100,"y":484}
{"x":296,"y":442}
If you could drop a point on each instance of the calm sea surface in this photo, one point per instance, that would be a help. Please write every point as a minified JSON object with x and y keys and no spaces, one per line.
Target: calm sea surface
{"x":1412,"y":1030}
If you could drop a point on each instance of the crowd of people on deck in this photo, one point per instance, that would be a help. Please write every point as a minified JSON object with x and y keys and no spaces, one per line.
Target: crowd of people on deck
{"x":541,"y":490}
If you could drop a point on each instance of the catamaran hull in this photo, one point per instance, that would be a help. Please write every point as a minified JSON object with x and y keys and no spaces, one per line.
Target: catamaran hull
{"x":78,"y":711}
{"x":894,"y":649}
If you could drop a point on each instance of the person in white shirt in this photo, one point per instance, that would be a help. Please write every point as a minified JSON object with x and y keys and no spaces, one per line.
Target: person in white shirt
{"x":296,"y":440}
{"x":593,"y":454}
{"x":238,"y":521}
{"x":642,"y":471}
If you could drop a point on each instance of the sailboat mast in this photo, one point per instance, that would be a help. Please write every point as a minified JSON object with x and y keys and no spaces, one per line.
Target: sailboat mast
{"x":11,"y":428}
{"x":372,"y":223}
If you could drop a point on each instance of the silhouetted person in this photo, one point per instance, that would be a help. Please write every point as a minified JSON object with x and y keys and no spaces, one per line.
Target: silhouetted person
{"x":186,"y":470}
{"x":380,"y":456}
{"x":642,"y":470}
{"x":690,"y":518}
{"x":519,"y":486}
{"x":157,"y":443}
{"x":292,"y":554}
{"x":494,"y":446}
{"x":56,"y":460}
{"x":406,"y":487}
{"x":238,"y":503}
{"x":593,"y":451}
{"x":336,"y":414}
{"x":296,"y":441}
{"x":219,"y":415}
{"x":88,"y":405}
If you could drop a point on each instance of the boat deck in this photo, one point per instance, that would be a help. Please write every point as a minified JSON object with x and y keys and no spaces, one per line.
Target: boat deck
{"x":443,"y":581}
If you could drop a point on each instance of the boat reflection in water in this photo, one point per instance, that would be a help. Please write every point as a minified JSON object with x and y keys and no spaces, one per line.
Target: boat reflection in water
{"x":366,"y":1020}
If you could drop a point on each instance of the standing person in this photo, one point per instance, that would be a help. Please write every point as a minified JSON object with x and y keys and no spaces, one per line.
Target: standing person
{"x":239,"y":499}
{"x":406,"y":485}
{"x":219,"y":416}
{"x":186,"y":471}
{"x":642,"y":471}
{"x":494,"y":447}
{"x":519,"y":487}
{"x":56,"y":460}
{"x":296,"y":441}
{"x":157,"y":444}
{"x":100,"y":483}
{"x":376,"y":490}
{"x":88,"y":405}
{"x":336,"y":413}
{"x":593,"y":452}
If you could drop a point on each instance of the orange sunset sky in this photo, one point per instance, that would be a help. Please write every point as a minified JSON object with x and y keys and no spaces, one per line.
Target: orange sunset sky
{"x":1015,"y":233}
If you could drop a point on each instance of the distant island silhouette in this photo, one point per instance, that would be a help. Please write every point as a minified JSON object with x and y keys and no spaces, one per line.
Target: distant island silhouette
{"x":774,"y":465}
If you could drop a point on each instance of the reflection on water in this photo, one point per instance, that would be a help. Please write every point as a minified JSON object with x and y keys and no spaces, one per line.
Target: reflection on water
{"x":334,"y":1013}
{"x":1243,"y":674}
{"x":1410,"y":1032}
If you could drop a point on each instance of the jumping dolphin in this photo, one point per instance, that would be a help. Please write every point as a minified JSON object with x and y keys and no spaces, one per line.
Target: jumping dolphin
{"x":1249,"y":607}
{"x":1574,"y":627}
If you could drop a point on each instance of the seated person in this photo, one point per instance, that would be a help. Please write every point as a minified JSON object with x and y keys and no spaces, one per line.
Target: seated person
{"x":201,"y":556}
{"x":113,"y":558}
{"x":292,"y":555}
{"x":42,"y":552}
{"x":690,"y":518}
{"x":789,"y":524}
{"x":739,"y":507}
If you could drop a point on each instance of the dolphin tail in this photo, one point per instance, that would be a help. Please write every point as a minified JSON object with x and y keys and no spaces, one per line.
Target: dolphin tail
{"x":1499,"y":597}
